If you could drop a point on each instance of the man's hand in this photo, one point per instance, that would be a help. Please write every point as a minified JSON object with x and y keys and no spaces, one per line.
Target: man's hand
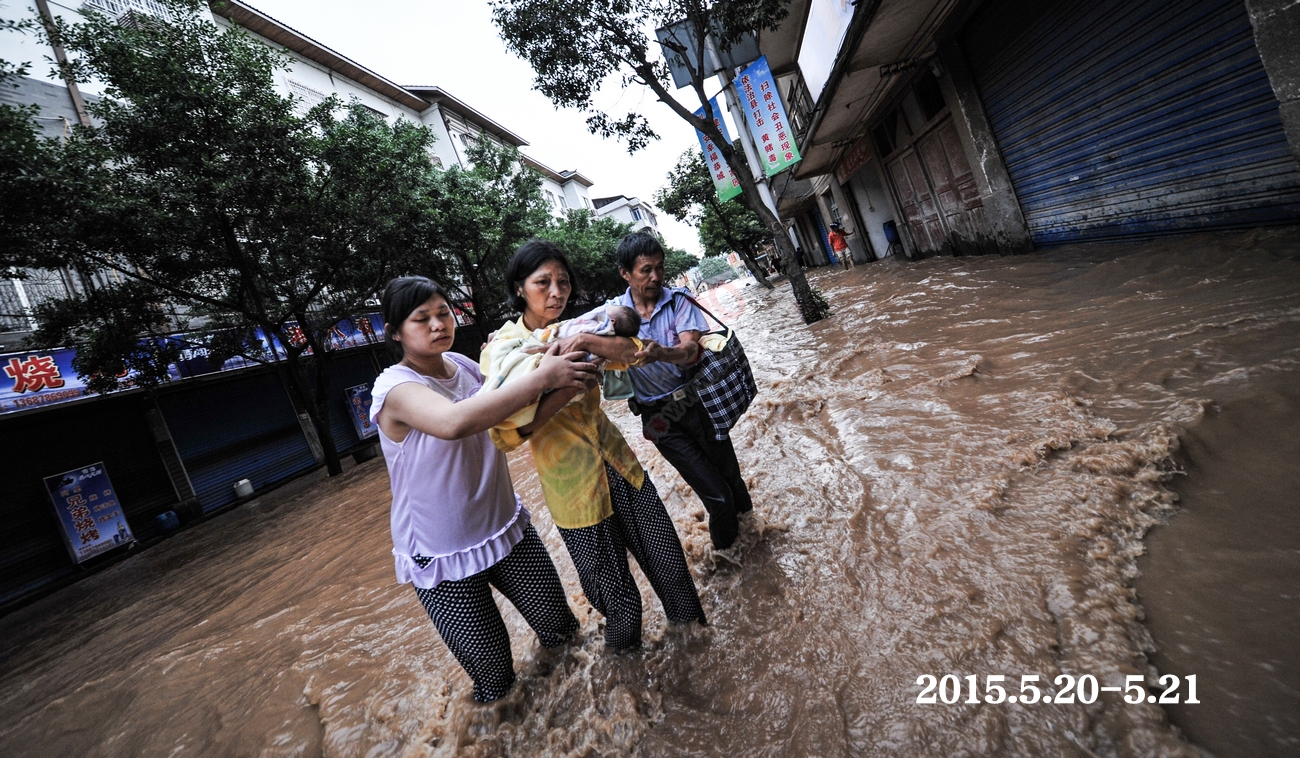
{"x":650,"y":352}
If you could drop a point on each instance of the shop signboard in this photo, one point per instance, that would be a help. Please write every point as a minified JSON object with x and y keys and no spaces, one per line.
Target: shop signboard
{"x":359,"y":401}
{"x":724,"y":180}
{"x":90,"y":517}
{"x":765,"y":114}
{"x":41,"y":377}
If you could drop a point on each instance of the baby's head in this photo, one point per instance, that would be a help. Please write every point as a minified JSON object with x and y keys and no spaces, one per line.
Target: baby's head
{"x":626,"y":321}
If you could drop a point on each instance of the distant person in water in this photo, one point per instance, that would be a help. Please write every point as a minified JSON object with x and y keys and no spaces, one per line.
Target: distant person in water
{"x":840,"y":246}
{"x":458,"y":528}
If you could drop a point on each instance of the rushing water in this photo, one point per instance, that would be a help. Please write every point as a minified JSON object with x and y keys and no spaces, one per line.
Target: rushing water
{"x":952,"y":475}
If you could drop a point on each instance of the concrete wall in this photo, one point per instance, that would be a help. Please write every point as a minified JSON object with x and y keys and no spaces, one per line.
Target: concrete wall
{"x":1277,"y":35}
{"x":1003,"y":218}
{"x":873,"y":205}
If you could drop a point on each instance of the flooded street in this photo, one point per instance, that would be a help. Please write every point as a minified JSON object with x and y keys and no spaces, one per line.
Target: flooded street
{"x":952,"y":475}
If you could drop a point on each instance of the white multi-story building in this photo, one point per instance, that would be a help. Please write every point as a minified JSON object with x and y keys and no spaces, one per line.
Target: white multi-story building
{"x":629,"y":210}
{"x":314,"y":73}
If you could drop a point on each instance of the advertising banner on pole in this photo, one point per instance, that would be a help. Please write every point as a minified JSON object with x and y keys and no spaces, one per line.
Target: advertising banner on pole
{"x":359,"y":401}
{"x":90,"y":518}
{"x":724,"y":181}
{"x":766,"y":116}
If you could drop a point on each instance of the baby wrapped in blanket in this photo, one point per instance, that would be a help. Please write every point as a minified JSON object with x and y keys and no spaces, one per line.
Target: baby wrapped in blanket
{"x":515,"y":351}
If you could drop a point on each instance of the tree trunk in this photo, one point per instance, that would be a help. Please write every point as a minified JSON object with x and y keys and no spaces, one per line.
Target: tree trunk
{"x":758,"y":273}
{"x":312,"y":406}
{"x":754,"y":268}
{"x":812,"y":306}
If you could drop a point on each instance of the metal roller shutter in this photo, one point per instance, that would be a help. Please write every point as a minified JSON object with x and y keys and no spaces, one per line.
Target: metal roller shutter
{"x":241,"y":428}
{"x":1132,"y":118}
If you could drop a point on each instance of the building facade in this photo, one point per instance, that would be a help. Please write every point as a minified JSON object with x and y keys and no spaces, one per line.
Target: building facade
{"x":627,"y":210}
{"x":967,"y":126}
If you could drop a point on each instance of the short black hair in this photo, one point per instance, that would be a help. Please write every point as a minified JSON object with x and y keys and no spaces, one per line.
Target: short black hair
{"x":402,"y":296}
{"x":527,"y":259}
{"x":636,"y":245}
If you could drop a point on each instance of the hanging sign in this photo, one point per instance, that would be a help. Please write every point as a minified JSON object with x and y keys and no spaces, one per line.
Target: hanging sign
{"x":724,"y":180}
{"x":90,"y":517}
{"x":766,"y":116}
{"x":359,"y":401}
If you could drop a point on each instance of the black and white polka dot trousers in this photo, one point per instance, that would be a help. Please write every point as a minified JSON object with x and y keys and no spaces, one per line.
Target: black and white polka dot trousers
{"x":640,"y":524}
{"x":470,"y":623}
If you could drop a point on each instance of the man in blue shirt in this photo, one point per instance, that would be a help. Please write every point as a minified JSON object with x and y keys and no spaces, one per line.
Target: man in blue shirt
{"x":670,"y":328}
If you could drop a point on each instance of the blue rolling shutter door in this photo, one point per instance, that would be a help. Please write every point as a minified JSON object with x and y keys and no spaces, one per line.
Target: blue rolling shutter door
{"x":244,"y":428}
{"x":1132,"y":118}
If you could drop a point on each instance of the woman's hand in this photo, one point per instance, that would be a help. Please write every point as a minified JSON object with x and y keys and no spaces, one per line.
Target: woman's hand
{"x":560,"y":370}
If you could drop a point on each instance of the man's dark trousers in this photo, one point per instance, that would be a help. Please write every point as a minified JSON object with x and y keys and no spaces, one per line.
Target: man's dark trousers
{"x":708,"y":465}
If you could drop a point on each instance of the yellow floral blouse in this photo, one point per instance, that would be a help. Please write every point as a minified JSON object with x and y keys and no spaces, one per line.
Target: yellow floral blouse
{"x":571,"y":451}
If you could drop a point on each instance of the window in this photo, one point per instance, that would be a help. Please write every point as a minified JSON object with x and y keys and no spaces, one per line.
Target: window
{"x":550,"y":198}
{"x":564,"y":203}
{"x":586,"y":203}
{"x":636,"y":213}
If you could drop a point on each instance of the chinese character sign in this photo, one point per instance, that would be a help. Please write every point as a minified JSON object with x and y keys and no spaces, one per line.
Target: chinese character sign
{"x":88,"y":511}
{"x":766,"y":116}
{"x":359,"y":400}
{"x":37,"y":378}
{"x":724,"y":181}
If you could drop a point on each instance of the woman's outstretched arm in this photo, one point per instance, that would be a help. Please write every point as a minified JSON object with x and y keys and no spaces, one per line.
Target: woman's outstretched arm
{"x":414,"y":406}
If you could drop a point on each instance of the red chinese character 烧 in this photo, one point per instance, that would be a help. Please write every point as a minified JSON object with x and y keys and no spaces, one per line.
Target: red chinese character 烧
{"x":36,"y":373}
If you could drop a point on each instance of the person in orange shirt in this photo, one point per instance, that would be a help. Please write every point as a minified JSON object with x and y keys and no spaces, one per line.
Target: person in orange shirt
{"x":840,"y":246}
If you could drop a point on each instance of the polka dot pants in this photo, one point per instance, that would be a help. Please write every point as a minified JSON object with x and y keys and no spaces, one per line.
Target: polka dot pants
{"x":640,"y":524}
{"x":470,"y":623}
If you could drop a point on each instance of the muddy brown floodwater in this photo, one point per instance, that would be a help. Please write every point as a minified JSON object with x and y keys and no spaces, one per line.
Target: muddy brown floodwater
{"x":953,"y":475}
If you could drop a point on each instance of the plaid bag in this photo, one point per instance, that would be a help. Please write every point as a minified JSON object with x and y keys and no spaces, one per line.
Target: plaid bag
{"x":723,"y":380}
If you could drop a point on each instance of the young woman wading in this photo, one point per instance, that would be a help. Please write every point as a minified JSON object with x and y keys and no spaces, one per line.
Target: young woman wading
{"x":458,"y":528}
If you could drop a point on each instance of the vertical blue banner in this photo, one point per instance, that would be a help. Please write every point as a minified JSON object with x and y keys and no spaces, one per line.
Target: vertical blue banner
{"x":89,"y":513}
{"x":724,"y":180}
{"x":359,"y":401}
{"x":765,"y":114}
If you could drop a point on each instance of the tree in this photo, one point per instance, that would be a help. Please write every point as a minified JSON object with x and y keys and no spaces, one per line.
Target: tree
{"x":479,"y":216}
{"x":204,"y":193}
{"x":723,"y":227}
{"x":574,"y":45}
{"x":712,"y":266}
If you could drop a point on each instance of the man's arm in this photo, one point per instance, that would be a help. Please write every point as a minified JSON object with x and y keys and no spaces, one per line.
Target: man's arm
{"x":686,"y":353}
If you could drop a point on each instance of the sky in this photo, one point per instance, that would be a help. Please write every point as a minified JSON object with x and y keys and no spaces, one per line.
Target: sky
{"x":454,"y":44}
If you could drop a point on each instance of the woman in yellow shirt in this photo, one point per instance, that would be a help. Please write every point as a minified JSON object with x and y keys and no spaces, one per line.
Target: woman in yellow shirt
{"x":599,"y":496}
